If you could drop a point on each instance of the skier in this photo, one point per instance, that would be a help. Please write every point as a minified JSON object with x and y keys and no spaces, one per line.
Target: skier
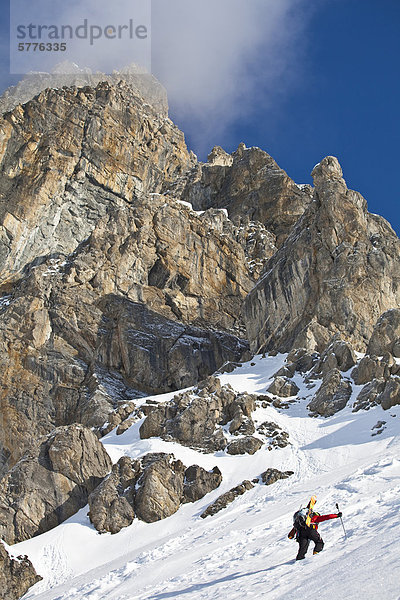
{"x":304,"y":534}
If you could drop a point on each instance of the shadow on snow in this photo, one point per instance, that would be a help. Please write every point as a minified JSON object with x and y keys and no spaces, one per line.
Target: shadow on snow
{"x":200,"y":586}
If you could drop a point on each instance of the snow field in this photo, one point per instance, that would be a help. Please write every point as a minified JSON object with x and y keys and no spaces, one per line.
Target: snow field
{"x":243,"y":551}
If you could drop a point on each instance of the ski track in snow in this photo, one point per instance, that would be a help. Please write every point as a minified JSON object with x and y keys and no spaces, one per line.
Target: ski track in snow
{"x":243,"y":551}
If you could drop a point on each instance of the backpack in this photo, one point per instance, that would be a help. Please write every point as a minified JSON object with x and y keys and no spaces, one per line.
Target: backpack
{"x":299,"y":518}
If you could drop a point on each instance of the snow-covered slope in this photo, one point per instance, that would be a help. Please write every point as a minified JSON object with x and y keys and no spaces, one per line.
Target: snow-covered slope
{"x":243,"y":551}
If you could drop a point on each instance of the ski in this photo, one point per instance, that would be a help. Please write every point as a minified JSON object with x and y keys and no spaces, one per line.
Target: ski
{"x":310,"y":507}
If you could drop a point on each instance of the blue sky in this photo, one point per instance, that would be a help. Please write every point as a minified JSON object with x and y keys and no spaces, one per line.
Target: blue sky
{"x":301,"y":79}
{"x":341,"y":98}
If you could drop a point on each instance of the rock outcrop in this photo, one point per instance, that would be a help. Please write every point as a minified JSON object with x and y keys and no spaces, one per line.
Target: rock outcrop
{"x":300,"y":360}
{"x":390,"y":396}
{"x":111,"y":504}
{"x":336,"y":273}
{"x":17,"y":575}
{"x":199,"y":482}
{"x":386,"y":335}
{"x":271,"y":476}
{"x":332,"y":396}
{"x":151,"y":488}
{"x":379,"y":392}
{"x":195,"y":418}
{"x":368,"y":397}
{"x":338,"y":355}
{"x":244,"y":445}
{"x":160,"y":488}
{"x":223,"y":501}
{"x":283,"y":387}
{"x":275,"y":436}
{"x":51,"y":482}
{"x":369,"y":368}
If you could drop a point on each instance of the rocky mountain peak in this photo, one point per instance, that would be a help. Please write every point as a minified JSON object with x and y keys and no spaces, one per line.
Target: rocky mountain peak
{"x":343,"y":210}
{"x":69,"y":156}
{"x":219,"y":157}
{"x":67,"y":74}
{"x":328,"y":169}
{"x":248,"y":184}
{"x":337,"y":272}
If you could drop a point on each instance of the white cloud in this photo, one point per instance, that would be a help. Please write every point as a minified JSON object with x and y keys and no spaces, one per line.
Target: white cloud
{"x":218,"y":58}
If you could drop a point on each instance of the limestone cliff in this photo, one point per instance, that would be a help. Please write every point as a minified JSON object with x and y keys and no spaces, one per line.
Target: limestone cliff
{"x":109,"y":288}
{"x":150,"y":302}
{"x":337,"y":272}
{"x":68,"y":157}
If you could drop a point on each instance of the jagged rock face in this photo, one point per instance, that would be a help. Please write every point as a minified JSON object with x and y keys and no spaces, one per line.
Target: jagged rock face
{"x":157,"y":354}
{"x":16,"y":575}
{"x":258,"y":243}
{"x":75,"y":376}
{"x":151,"y":488}
{"x":51,"y":482}
{"x":69,"y":156}
{"x":182,"y":265}
{"x":248,"y":183}
{"x":82,"y":333}
{"x":337,"y":272}
{"x":51,"y":380}
{"x":194,"y":419}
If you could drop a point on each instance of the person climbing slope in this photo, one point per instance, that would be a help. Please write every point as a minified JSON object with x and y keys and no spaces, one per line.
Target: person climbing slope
{"x":304,"y":533}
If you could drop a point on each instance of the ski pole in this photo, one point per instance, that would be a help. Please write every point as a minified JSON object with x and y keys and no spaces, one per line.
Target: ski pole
{"x":341,"y":520}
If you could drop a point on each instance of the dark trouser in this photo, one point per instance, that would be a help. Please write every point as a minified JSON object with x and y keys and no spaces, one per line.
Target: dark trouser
{"x":304,"y":538}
